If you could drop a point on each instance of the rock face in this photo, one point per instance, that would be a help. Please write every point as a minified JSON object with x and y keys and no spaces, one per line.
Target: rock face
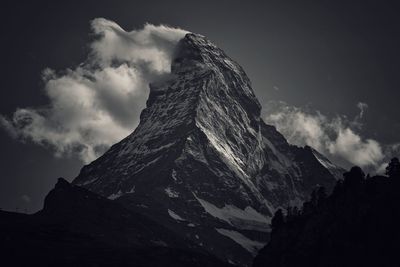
{"x":203,"y":163}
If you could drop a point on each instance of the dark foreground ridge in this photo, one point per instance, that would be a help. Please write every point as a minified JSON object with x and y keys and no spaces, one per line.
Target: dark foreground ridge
{"x":357,"y":225}
{"x":80,"y":228}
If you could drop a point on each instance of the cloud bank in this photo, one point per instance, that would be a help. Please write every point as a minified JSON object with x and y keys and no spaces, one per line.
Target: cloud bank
{"x":97,"y":103}
{"x":337,"y":137}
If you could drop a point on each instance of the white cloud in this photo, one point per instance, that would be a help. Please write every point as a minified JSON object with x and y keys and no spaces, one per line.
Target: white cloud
{"x":363,"y":107}
{"x":98,"y":103}
{"x":151,"y":47}
{"x":335,"y":137}
{"x":351,"y":147}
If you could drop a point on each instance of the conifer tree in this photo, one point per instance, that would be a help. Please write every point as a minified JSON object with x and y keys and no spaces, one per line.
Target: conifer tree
{"x":278,"y":220}
{"x":393,"y":168}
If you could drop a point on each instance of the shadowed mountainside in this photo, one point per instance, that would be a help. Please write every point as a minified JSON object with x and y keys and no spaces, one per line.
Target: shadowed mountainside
{"x":79,"y":228}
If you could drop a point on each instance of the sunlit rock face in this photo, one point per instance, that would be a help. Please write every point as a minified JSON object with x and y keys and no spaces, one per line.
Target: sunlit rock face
{"x":203,"y":162}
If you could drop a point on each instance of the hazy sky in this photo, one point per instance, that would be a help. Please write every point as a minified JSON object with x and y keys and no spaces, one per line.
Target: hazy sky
{"x":335,"y":58}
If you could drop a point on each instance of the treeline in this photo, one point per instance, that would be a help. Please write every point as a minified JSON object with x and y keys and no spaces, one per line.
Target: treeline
{"x":356,"y":225}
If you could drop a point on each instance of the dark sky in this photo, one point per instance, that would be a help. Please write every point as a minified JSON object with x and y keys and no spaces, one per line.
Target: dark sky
{"x":330,"y":54}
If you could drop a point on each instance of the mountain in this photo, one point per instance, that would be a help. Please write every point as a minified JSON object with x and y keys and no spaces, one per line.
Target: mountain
{"x":357,"y":225}
{"x":203,"y":163}
{"x":79,"y":228}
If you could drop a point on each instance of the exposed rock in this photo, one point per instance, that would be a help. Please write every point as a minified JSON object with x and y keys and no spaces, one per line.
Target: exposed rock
{"x":203,"y":154}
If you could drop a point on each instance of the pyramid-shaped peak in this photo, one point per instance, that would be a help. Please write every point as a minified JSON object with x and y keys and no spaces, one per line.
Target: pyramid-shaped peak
{"x":195,"y":51}
{"x":202,"y":156}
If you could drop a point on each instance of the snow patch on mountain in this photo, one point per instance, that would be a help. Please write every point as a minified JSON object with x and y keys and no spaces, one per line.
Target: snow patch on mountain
{"x":88,"y":181}
{"x":323,"y":161}
{"x":247,"y":219}
{"x":171,"y":193}
{"x":175,"y":216}
{"x":115,"y":196}
{"x":132,"y":190}
{"x":336,"y":171}
{"x":250,"y":245}
{"x":225,"y":151}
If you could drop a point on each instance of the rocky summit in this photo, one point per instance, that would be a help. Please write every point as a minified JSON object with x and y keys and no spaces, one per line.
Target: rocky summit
{"x":202,"y":162}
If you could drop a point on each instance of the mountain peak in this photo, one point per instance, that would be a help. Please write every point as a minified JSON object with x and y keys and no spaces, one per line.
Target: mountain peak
{"x":61,"y":182}
{"x":193,"y":51}
{"x":202,"y":161}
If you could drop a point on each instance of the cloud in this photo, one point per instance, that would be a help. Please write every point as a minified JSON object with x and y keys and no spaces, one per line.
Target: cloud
{"x":363,"y":107}
{"x":97,"y":103}
{"x":351,"y":147}
{"x":337,"y":137}
{"x":151,"y":48}
{"x":357,"y":121}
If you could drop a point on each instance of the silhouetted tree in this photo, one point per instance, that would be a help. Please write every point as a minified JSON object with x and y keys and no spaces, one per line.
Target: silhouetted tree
{"x":393,"y":168}
{"x":321,"y":194}
{"x":295,"y":211}
{"x":314,"y":198}
{"x":289,"y":212}
{"x":292,"y":213}
{"x":361,"y":215}
{"x":307,"y":208}
{"x":278,"y":219}
{"x":354,"y":177}
{"x":338,"y":189}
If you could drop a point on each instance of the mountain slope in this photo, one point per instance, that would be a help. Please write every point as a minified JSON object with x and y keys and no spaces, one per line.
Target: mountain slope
{"x":79,"y":228}
{"x":202,"y":162}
